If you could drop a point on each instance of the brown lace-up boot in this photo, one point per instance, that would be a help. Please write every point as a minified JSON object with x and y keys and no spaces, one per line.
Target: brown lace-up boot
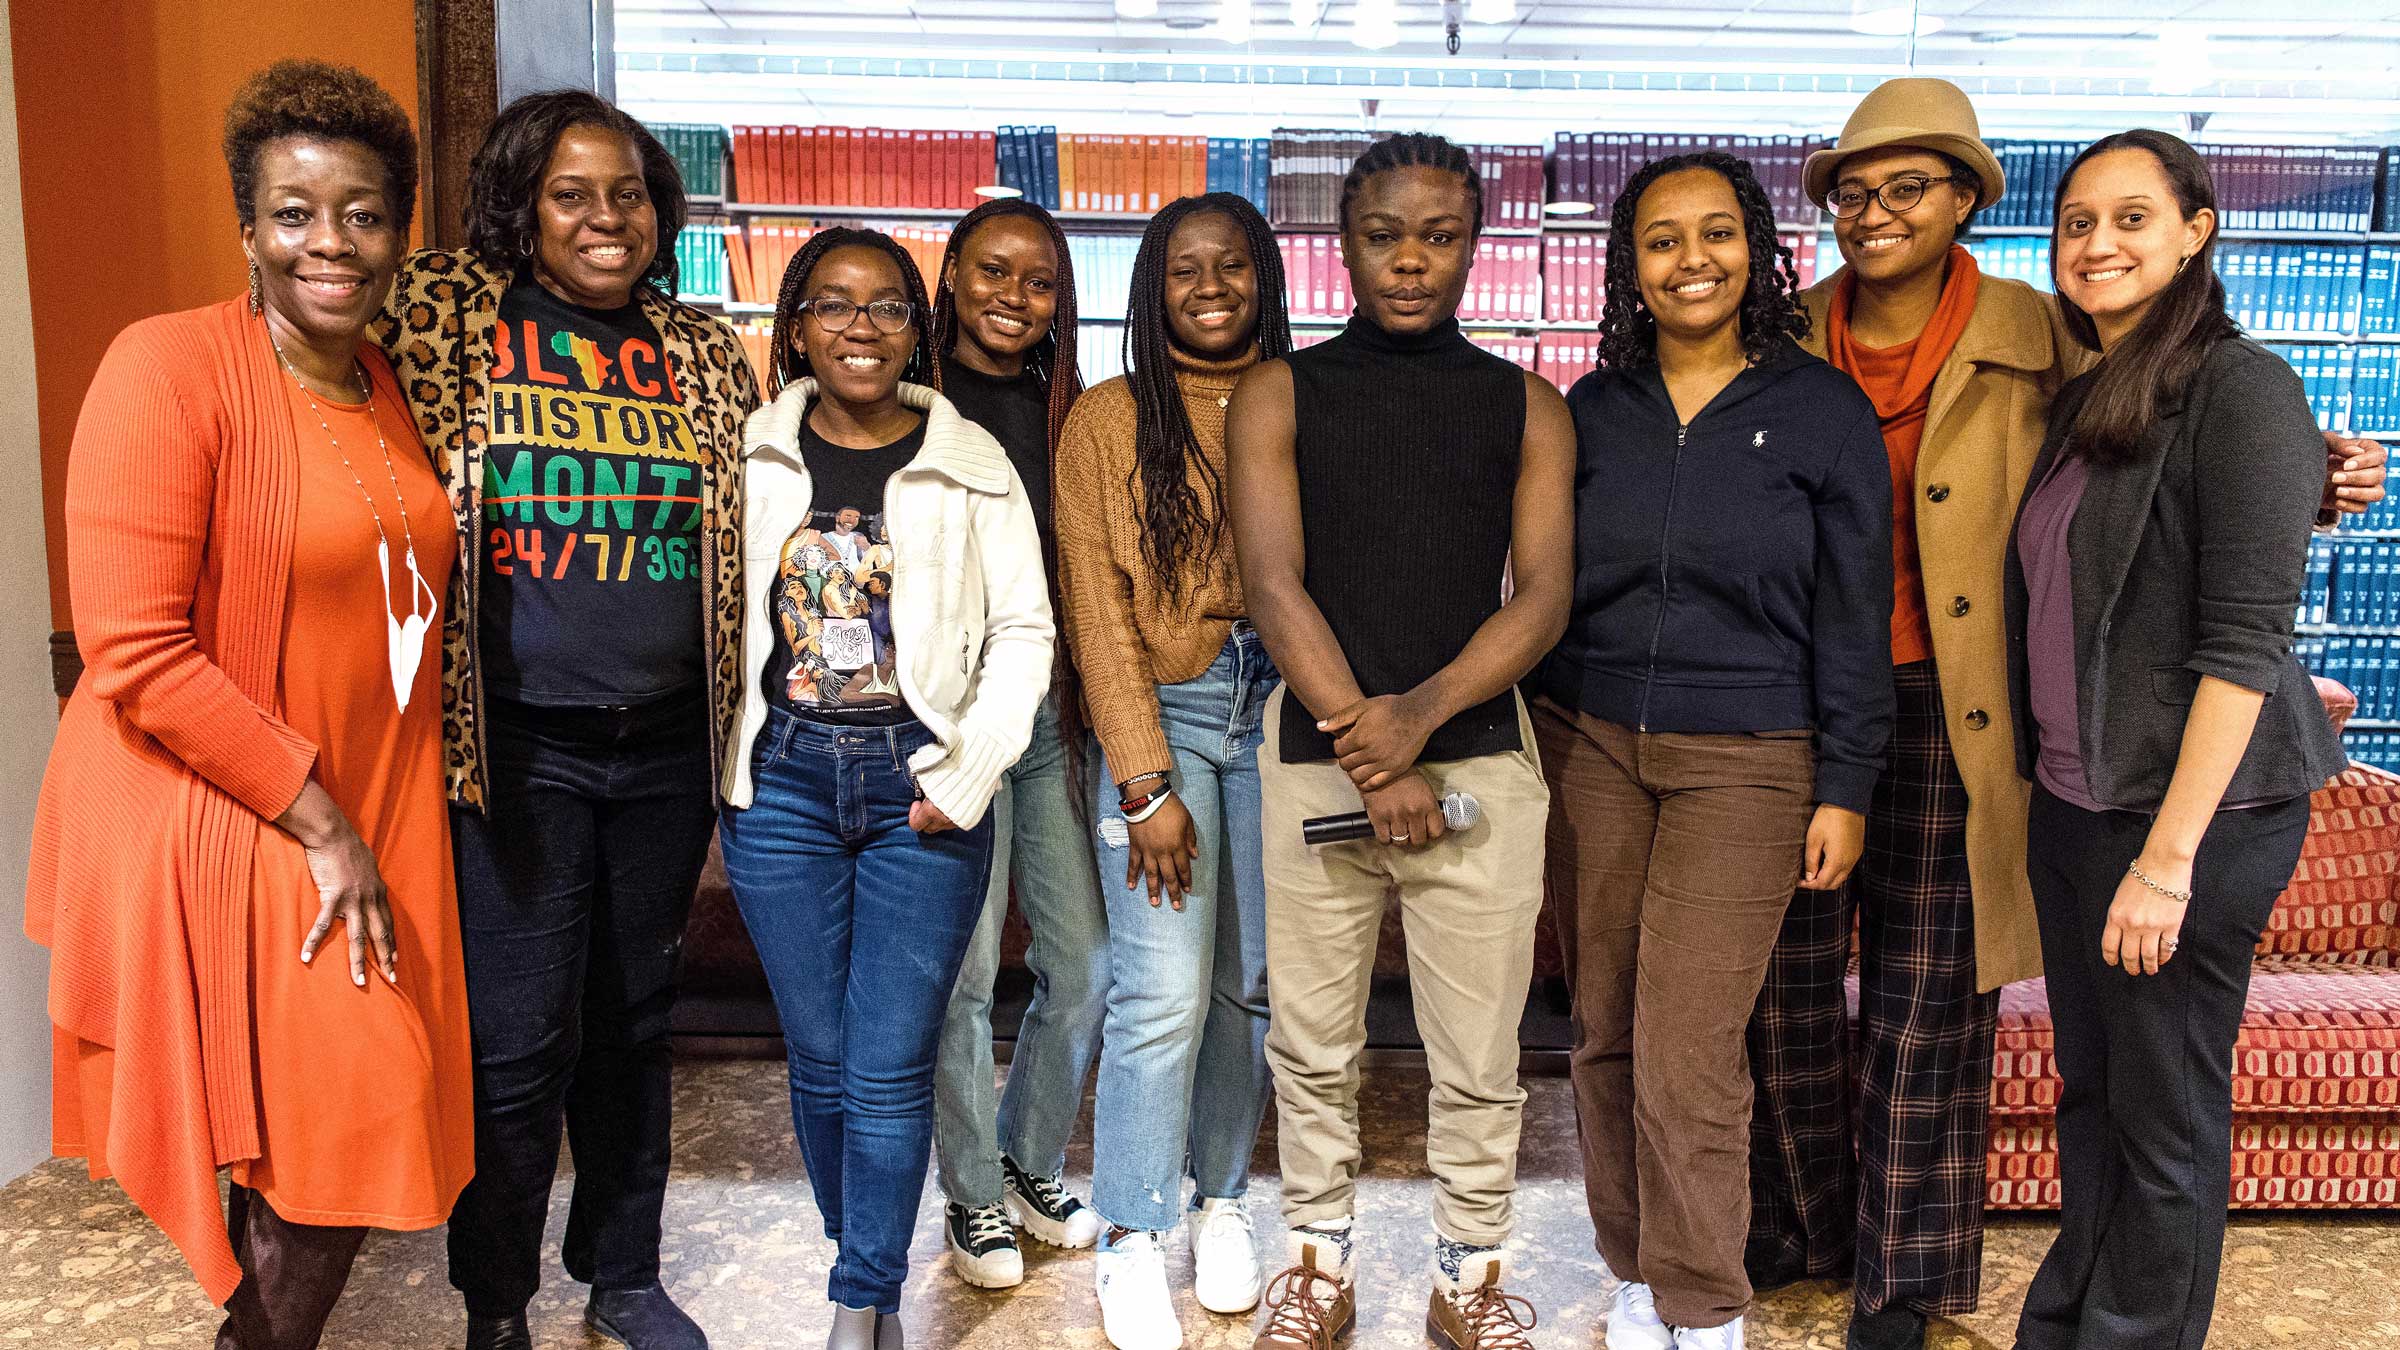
{"x":1479,"y":1316}
{"x":1307,"y":1308}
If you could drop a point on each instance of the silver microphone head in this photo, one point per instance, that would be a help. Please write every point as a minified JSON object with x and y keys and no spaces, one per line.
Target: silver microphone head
{"x":1460,"y":811}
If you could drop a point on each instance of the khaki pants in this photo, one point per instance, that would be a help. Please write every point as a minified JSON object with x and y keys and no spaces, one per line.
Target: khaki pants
{"x":1671,"y":859}
{"x":1468,"y":903}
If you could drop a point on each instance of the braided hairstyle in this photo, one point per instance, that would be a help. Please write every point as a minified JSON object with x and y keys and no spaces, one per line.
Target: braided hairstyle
{"x":1052,"y":359}
{"x":1415,"y":150}
{"x":1770,"y":315}
{"x":1177,"y":527}
{"x":787,"y":362}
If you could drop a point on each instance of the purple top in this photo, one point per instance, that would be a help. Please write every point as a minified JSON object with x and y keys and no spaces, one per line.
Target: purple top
{"x":2050,"y":629}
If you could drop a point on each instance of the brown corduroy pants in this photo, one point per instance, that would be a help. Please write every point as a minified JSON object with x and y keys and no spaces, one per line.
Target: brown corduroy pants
{"x":1670,"y":860}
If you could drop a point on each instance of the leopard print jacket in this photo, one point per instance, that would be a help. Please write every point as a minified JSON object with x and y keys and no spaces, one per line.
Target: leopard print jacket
{"x":437,"y":329}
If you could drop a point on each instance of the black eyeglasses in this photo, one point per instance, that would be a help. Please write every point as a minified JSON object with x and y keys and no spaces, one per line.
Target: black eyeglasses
{"x":1896,"y":196}
{"x":834,"y":314}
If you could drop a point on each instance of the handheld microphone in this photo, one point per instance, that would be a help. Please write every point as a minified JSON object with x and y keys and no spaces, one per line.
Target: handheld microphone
{"x":1459,"y":812}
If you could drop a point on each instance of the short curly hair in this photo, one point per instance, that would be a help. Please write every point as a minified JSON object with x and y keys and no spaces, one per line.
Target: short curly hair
{"x":322,"y":101}
{"x":504,"y":183}
{"x":1770,"y":315}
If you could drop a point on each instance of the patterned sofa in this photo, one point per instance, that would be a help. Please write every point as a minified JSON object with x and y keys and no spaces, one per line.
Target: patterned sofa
{"x":2317,"y":1068}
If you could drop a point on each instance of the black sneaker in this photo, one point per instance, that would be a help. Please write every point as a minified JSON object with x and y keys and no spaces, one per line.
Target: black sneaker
{"x":1048,"y":1210}
{"x":983,"y":1249}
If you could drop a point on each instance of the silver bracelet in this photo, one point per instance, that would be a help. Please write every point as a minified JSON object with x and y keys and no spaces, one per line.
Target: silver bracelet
{"x":2134,"y":869}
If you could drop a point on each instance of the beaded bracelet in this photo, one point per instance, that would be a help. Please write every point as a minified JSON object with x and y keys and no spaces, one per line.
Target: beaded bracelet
{"x":2134,"y":869}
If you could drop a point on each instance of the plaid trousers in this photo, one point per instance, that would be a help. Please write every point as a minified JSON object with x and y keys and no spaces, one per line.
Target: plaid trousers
{"x":1867,"y":1152}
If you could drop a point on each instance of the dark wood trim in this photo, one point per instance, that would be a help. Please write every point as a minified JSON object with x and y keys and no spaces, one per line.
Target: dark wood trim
{"x":458,"y":94}
{"x":66,"y":663}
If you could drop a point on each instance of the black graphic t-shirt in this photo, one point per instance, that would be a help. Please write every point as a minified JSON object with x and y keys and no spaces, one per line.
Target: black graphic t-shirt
{"x":590,"y":583}
{"x":833,"y":659}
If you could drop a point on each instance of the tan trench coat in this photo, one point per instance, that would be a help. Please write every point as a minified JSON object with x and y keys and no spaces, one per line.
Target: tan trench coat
{"x":1982,"y":431}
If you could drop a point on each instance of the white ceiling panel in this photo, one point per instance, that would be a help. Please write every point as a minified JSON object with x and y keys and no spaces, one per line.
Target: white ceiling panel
{"x":2313,"y":70}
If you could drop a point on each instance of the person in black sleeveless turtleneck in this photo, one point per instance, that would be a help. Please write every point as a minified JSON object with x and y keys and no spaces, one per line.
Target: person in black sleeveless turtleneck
{"x":1387,"y":487}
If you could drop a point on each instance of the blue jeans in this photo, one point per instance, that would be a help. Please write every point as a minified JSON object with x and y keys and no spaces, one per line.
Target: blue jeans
{"x":860,"y":922}
{"x":1183,"y":1062}
{"x":1038,"y":838}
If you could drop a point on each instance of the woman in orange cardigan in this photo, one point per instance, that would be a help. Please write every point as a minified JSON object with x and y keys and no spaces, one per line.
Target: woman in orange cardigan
{"x":257,"y":545}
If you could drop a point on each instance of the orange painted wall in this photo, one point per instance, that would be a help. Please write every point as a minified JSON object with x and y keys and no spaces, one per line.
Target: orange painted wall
{"x":120,"y":105}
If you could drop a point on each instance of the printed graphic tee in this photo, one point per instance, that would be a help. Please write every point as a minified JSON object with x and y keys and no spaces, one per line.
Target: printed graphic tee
{"x":833,"y":659}
{"x":590,"y":580}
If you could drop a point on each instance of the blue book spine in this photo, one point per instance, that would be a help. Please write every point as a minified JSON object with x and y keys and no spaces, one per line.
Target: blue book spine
{"x":1046,"y":145}
{"x":1259,"y":169}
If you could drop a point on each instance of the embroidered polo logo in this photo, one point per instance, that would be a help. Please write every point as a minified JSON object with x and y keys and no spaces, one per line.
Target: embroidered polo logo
{"x":1759,"y":440}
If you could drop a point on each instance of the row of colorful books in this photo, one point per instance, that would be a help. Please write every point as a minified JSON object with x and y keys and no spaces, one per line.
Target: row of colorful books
{"x":1128,"y":174}
{"x":2353,"y":581}
{"x":2269,"y":287}
{"x":2368,"y":666}
{"x":756,"y":252}
{"x":699,"y":151}
{"x":2353,"y":388}
{"x":860,"y":166}
{"x":2259,"y":187}
{"x":1595,"y":166}
{"x":1296,"y":174}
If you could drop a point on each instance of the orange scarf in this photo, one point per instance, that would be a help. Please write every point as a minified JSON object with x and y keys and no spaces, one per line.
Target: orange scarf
{"x":1942,"y":331}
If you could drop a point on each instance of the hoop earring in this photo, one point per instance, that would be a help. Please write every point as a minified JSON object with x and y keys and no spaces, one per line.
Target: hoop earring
{"x":257,"y":301}
{"x":2183,"y":263}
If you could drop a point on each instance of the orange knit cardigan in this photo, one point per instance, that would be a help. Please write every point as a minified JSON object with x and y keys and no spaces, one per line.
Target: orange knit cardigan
{"x":182,"y":491}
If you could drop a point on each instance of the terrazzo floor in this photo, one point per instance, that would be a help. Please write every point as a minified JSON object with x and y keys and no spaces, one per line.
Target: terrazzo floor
{"x":79,"y":1267}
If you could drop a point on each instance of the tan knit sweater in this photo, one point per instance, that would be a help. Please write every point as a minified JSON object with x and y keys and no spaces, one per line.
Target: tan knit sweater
{"x":1124,"y":636}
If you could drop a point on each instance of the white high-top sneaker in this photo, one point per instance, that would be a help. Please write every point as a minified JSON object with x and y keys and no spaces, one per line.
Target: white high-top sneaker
{"x":1225,"y":1273}
{"x":1633,"y":1322}
{"x":1136,"y":1311}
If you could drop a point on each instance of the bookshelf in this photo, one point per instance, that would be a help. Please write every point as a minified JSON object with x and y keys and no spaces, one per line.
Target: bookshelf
{"x":2309,"y":252}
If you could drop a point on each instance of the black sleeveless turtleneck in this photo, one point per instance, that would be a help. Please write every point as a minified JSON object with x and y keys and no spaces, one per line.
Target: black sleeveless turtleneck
{"x":1407,"y":449}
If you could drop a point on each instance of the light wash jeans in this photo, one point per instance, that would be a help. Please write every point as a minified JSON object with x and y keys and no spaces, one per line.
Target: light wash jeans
{"x":1038,"y":838}
{"x":1183,"y":1064}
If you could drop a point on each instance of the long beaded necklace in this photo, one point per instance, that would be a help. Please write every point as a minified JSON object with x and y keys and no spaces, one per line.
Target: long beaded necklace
{"x":404,"y":638}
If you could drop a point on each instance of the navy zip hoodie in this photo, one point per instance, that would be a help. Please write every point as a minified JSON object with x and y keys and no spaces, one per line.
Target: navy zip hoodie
{"x":1734,"y":574}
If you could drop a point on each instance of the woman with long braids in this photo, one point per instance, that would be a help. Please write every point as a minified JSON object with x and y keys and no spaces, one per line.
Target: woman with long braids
{"x":1713,"y":722}
{"x":1175,"y":679}
{"x":1004,"y":323}
{"x":876,"y":723}
{"x":1868,"y":1147}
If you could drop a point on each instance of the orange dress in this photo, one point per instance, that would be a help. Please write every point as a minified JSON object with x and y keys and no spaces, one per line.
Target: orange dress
{"x":365,"y":1095}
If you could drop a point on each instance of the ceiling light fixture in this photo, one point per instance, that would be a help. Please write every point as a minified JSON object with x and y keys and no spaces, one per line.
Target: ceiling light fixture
{"x":1233,"y":22}
{"x":1492,"y":11}
{"x":1375,"y":24}
{"x":998,"y":190}
{"x":1136,"y":9}
{"x":2183,"y":64}
{"x":1883,"y":18}
{"x":1568,"y":208}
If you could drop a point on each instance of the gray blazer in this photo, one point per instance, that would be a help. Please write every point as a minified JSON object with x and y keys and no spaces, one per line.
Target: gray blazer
{"x":2187,"y":560}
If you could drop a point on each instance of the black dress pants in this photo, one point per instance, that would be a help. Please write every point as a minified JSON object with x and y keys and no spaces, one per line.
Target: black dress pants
{"x":572,"y":898}
{"x":2145,"y":1124}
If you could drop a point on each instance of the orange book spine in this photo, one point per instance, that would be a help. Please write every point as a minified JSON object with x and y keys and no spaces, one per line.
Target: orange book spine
{"x":1070,"y":185}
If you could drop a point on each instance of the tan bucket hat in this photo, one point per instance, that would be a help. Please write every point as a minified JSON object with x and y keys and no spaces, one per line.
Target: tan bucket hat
{"x":1925,"y":114}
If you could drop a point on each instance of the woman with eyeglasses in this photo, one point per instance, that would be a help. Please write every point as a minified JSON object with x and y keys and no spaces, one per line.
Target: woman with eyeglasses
{"x":897,"y":643}
{"x":1961,"y":368}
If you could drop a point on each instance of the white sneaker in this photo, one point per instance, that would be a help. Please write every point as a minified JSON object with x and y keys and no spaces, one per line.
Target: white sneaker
{"x":1225,"y":1270}
{"x":1726,"y":1337}
{"x":1044,"y":1207}
{"x":1136,"y":1311}
{"x":1633,"y":1322}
